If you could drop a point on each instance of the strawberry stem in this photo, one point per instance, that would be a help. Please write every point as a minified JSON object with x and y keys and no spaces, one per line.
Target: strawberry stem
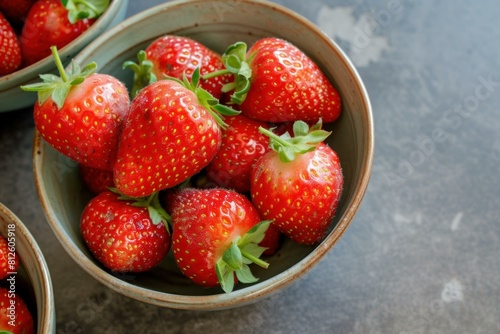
{"x":254,"y":259}
{"x":56,"y":87}
{"x":58,"y":62}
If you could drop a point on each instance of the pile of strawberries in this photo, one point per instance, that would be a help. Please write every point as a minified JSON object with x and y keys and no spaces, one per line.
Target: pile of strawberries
{"x":28,"y":28}
{"x":15,"y":317}
{"x":214,"y":157}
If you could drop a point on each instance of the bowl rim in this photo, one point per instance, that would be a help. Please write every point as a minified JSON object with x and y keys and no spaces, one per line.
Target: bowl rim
{"x":25,"y":74}
{"x":45,"y":323}
{"x":249,"y":293}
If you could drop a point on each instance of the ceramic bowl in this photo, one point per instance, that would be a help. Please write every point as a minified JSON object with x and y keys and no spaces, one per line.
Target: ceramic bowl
{"x":216,"y":24}
{"x":32,"y":280}
{"x":12,"y":97}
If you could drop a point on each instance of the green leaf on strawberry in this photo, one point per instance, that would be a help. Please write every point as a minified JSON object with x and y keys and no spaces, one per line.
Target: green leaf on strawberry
{"x":81,"y":9}
{"x":304,"y":140}
{"x":242,"y":252}
{"x":237,"y":63}
{"x":205,"y":99}
{"x":59,"y":87}
{"x":152,"y":202}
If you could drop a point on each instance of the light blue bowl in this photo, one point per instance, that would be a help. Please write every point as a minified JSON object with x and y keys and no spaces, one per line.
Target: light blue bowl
{"x":216,"y":24}
{"x":13,"y":98}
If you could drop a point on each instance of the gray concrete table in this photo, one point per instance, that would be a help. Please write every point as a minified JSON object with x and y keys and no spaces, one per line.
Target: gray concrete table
{"x":422,"y":255}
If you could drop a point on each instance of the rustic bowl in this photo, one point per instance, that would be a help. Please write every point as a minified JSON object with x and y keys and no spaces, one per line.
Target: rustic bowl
{"x":216,"y":24}
{"x":12,"y":97}
{"x":32,"y":282}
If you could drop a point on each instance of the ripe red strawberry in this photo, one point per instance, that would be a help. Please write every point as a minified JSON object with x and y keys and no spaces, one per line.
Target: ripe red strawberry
{"x":215,"y":236}
{"x":298,"y":184}
{"x":175,"y":56}
{"x":56,"y":23}
{"x":171,"y":134}
{"x":277,"y":82}
{"x":81,"y":113}
{"x":96,"y":180}
{"x":242,"y":144}
{"x":15,"y":317}
{"x":10,"y":49}
{"x":125,"y":235}
{"x":16,"y":11}
{"x":9,"y":261}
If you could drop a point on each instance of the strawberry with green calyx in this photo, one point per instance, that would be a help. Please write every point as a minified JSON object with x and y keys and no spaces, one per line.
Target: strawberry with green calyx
{"x":81,"y":112}
{"x":56,"y":22}
{"x":215,"y":236}
{"x":298,"y":183}
{"x":173,"y":131}
{"x":126,"y":234}
{"x":276,"y":82}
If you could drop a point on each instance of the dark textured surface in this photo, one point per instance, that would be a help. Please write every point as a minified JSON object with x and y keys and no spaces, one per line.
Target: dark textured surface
{"x":422,"y":253}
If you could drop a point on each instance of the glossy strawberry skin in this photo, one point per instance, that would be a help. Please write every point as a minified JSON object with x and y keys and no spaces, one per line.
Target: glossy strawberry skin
{"x":176,"y":55}
{"x":87,"y":127}
{"x":242,"y":144}
{"x":167,"y":138}
{"x":205,"y":222}
{"x":121,"y":236}
{"x":24,"y":322}
{"x":299,"y":196}
{"x":10,"y":49}
{"x":286,"y":85}
{"x":9,"y":261}
{"x":47,"y":24}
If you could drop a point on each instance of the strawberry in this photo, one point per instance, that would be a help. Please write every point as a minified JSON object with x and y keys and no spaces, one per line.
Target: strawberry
{"x":56,"y":23}
{"x":96,"y":180}
{"x":15,"y":317}
{"x":10,"y":49}
{"x":215,"y":236}
{"x":242,"y":144}
{"x":175,"y":56}
{"x":9,"y":261}
{"x":16,"y":11}
{"x":271,"y":241}
{"x":171,"y":134}
{"x":81,"y":113}
{"x":276,"y":82}
{"x":124,"y":234}
{"x":297,"y":185}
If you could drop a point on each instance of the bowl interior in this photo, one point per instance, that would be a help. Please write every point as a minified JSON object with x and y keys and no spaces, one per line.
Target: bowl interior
{"x":217,"y":24}
{"x":32,"y":280}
